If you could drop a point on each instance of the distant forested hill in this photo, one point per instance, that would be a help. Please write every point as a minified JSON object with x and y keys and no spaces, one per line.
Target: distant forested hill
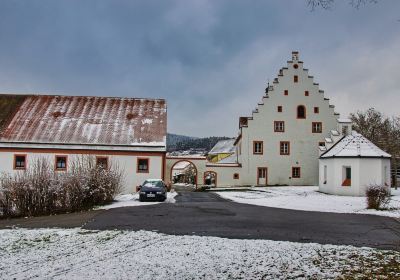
{"x":183,"y":143}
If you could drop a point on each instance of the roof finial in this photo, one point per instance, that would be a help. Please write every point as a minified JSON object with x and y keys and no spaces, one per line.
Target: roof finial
{"x":295,"y":55}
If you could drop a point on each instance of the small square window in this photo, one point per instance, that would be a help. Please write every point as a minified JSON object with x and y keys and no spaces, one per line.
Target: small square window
{"x":61,"y":162}
{"x":321,"y":144}
{"x":279,"y":126}
{"x":286,"y":92}
{"x":19,"y":161}
{"x":295,"y":78}
{"x":142,"y":165}
{"x":306,"y":93}
{"x":284,"y":148}
{"x":316,"y":127}
{"x":258,"y":147}
{"x":279,"y":109}
{"x":102,"y":162}
{"x":295,"y":172}
{"x":316,"y":110}
{"x":236,"y":176}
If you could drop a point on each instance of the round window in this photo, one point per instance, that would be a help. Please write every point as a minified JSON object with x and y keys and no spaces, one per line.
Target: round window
{"x":295,"y":66}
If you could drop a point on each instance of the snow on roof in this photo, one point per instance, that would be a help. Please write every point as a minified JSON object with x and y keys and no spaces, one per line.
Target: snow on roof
{"x":231,"y":159}
{"x":87,"y":120}
{"x":181,"y":165}
{"x":344,"y":120}
{"x":354,"y":145}
{"x":335,"y":133}
{"x":328,"y":140}
{"x":223,"y":147}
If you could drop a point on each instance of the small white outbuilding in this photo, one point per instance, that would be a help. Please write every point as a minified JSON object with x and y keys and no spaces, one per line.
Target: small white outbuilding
{"x":352,"y":164}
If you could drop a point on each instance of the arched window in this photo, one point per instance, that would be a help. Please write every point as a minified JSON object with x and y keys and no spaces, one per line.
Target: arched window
{"x":301,"y":112}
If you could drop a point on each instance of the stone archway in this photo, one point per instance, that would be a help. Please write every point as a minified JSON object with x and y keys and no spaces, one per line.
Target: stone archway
{"x":184,"y":171}
{"x":198,"y":162}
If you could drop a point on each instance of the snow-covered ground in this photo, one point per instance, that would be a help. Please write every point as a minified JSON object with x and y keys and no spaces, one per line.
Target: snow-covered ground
{"x":126,"y":200}
{"x":308,"y":198}
{"x":81,"y":254}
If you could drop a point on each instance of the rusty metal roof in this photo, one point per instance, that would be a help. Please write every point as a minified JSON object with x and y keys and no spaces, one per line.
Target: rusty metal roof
{"x":54,"y":119}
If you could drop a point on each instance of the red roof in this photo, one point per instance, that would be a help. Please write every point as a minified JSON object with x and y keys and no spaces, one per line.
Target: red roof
{"x":87,"y":120}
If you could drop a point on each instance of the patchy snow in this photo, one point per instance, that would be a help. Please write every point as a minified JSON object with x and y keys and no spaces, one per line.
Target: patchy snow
{"x":82,"y":254}
{"x":308,"y":198}
{"x":127,"y":200}
{"x":147,"y":121}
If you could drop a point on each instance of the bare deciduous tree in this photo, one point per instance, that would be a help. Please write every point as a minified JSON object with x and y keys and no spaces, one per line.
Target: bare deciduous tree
{"x":381,"y":130}
{"x":328,"y":4}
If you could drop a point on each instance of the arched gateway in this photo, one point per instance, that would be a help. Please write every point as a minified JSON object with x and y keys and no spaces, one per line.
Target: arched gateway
{"x":219,"y":174}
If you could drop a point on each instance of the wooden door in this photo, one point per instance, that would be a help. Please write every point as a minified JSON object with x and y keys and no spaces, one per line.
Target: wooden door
{"x":262,"y":176}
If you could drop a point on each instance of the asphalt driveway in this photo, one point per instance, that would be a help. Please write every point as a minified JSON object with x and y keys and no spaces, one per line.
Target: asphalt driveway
{"x":207,"y":214}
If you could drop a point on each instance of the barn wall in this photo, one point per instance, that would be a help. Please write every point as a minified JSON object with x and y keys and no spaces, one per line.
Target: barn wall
{"x":126,"y":161}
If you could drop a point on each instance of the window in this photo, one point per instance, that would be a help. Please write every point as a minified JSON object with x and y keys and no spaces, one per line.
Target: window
{"x":19,"y":161}
{"x":345,"y":130}
{"x":61,"y":162}
{"x":317,"y":127}
{"x":316,"y":110}
{"x":295,"y":172}
{"x":258,"y":147}
{"x":301,"y":112}
{"x":142,"y":165}
{"x":295,"y":78}
{"x":325,"y":173}
{"x":346,"y":173}
{"x":284,"y":148}
{"x":295,"y":66}
{"x":279,"y":126}
{"x":306,"y":93}
{"x":280,"y":109}
{"x":286,"y":92}
{"x":321,"y":144}
{"x":102,"y":162}
{"x":236,"y":176}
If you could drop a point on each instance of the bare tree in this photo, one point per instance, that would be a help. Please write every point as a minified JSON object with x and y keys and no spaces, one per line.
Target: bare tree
{"x":328,"y":4}
{"x":380,"y":130}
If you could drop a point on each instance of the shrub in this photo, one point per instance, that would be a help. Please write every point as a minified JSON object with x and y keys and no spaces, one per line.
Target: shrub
{"x":378,"y":197}
{"x":42,"y":191}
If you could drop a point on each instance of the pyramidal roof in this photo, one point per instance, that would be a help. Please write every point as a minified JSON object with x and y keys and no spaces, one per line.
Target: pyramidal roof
{"x":354,"y":145}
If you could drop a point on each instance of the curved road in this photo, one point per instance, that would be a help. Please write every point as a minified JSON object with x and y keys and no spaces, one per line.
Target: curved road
{"x":205,"y":213}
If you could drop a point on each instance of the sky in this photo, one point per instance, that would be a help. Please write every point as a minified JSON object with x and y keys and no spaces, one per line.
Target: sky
{"x":210,"y":60}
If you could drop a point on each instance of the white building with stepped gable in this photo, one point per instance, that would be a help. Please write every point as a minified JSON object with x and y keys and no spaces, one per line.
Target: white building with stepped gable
{"x":278,"y":144}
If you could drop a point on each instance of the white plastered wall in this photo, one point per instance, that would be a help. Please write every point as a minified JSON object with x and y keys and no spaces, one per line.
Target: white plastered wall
{"x":127,"y":163}
{"x":364,"y":172}
{"x":303,"y":143}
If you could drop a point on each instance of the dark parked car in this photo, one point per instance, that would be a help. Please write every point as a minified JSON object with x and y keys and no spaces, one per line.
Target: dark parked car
{"x":153,"y":189}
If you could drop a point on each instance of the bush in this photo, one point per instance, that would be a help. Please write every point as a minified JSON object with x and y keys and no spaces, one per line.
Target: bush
{"x":378,"y":197}
{"x":42,"y":191}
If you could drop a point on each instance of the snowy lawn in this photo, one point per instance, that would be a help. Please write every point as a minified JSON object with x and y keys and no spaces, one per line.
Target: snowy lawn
{"x":308,"y":198}
{"x":81,"y":254}
{"x":126,"y":200}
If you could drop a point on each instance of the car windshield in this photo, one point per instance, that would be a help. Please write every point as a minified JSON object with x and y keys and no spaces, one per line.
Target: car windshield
{"x":152,"y":184}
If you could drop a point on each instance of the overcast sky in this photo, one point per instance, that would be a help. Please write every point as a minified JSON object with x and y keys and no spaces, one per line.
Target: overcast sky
{"x":209,"y":59}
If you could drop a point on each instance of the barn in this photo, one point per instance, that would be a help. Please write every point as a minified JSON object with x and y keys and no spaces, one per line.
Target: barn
{"x":126,"y":132}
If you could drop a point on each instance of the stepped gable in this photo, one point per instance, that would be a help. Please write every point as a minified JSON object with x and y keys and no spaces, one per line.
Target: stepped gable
{"x":297,"y":64}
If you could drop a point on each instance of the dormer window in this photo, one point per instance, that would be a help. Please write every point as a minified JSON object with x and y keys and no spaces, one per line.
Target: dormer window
{"x":301,"y":112}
